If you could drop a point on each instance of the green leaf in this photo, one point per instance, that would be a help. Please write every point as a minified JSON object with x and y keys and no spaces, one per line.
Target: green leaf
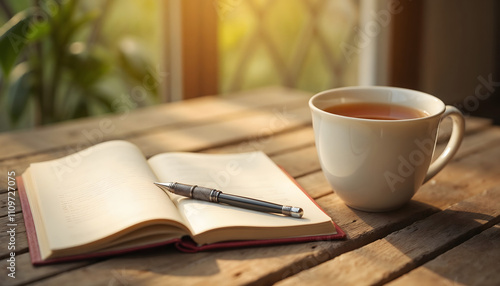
{"x":82,"y":109}
{"x":38,"y":31}
{"x":103,"y":99}
{"x":13,"y":38}
{"x":18,"y":94}
{"x":87,"y":67}
{"x":83,"y":20}
{"x":132,"y":59}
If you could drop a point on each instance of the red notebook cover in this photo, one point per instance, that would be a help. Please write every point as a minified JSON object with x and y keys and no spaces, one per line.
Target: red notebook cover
{"x":185,"y":244}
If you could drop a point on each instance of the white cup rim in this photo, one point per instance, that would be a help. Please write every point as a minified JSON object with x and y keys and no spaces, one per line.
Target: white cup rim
{"x":436,"y":112}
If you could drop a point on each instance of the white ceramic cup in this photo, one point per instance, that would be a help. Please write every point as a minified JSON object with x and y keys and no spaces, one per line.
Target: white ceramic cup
{"x":378,"y":165}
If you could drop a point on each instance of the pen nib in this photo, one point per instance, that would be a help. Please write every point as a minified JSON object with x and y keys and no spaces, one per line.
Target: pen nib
{"x":165,"y":186}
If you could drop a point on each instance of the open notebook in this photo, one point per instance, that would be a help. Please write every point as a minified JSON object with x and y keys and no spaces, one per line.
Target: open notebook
{"x":102,"y":201}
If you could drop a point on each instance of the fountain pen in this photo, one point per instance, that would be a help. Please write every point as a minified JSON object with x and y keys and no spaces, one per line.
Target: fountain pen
{"x":216,"y":196}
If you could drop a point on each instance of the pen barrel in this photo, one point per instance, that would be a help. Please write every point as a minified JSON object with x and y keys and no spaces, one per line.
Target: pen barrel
{"x":194,"y":191}
{"x":248,"y":203}
{"x":205,"y":194}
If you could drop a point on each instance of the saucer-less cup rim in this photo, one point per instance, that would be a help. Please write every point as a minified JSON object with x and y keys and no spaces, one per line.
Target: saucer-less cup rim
{"x":337,"y":96}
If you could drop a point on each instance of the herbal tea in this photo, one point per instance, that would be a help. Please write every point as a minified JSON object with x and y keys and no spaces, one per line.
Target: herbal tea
{"x":379,"y":111}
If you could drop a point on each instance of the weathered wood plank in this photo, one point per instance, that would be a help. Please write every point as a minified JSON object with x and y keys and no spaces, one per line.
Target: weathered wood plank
{"x":316,"y":183}
{"x":299,"y":162}
{"x":270,"y":264}
{"x":472,"y":124}
{"x":98,"y":129}
{"x":20,"y":242}
{"x":264,"y":264}
{"x":31,"y":274}
{"x":231,"y":267}
{"x":474,"y":262}
{"x":270,"y":144}
{"x":229,"y":131}
{"x":265,"y":123}
{"x":251,"y":124}
{"x":436,"y":192}
{"x":388,"y":258}
{"x":310,"y":184}
{"x":474,"y":142}
{"x":307,"y":188}
{"x":25,"y":272}
{"x":68,"y":137}
{"x":290,"y":162}
{"x":4,"y":203}
{"x":463,"y":177}
{"x":442,"y":190}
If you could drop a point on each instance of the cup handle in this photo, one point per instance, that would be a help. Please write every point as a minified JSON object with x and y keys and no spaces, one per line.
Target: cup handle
{"x":457,"y":134}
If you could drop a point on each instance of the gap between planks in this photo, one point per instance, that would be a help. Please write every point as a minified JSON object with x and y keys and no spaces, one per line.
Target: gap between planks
{"x":461,"y":265}
{"x":275,"y":144}
{"x":181,"y":114}
{"x":299,"y":117}
{"x":303,"y":138}
{"x":396,"y":254}
{"x":187,"y":139}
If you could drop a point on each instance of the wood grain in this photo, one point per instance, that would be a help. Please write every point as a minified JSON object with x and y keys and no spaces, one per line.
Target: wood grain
{"x":253,"y":121}
{"x":362,"y":228}
{"x":388,"y":258}
{"x":458,"y":203}
{"x":227,"y":131}
{"x":190,"y":112}
{"x":474,"y":262}
{"x":250,"y":265}
{"x":21,"y":241}
{"x":26,"y":273}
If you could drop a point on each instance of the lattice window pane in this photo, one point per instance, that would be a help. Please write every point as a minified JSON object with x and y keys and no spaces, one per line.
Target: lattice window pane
{"x":295,"y":43}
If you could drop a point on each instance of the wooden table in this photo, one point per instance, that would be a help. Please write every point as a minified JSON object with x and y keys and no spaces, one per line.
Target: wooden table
{"x":449,"y":234}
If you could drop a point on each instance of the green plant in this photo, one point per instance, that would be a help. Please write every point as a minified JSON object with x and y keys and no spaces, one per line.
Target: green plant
{"x":55,"y":66}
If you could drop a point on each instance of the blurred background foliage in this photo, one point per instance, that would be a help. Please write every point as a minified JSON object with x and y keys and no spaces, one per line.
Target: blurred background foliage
{"x":64,"y":59}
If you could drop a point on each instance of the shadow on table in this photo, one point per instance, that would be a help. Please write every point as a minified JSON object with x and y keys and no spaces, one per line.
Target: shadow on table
{"x":405,"y":250}
{"x":171,"y":262}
